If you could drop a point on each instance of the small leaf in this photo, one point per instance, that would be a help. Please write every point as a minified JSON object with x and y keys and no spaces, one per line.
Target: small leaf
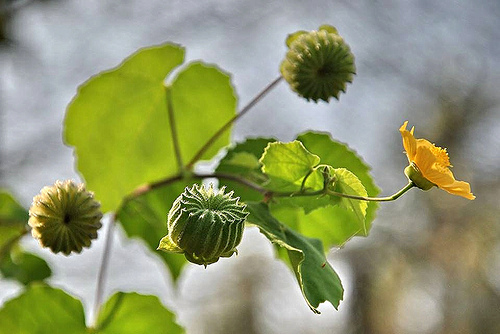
{"x":243,"y":160}
{"x":347,"y":183}
{"x":145,"y":217}
{"x":131,"y":313}
{"x":13,"y":219}
{"x":317,"y":279}
{"x":42,"y":309}
{"x":25,"y":268}
{"x":339,"y":155}
{"x":334,"y":225}
{"x":11,"y":212}
{"x":287,"y":164}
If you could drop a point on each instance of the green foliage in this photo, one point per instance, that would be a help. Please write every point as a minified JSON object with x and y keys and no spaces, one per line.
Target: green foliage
{"x":131,"y":313}
{"x":339,"y":155}
{"x":145,"y":217}
{"x":242,"y":160}
{"x":324,"y":219}
{"x":287,"y":165}
{"x":42,"y":309}
{"x":15,"y":263}
{"x":137,"y":133}
{"x":292,"y":168}
{"x":24,"y":267}
{"x":317,"y":279}
{"x":120,"y":127}
{"x":13,"y":219}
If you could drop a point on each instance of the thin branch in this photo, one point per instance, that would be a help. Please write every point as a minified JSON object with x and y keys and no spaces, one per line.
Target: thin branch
{"x":103,"y":270}
{"x":375,"y":199}
{"x":232,"y":177}
{"x":226,"y":126}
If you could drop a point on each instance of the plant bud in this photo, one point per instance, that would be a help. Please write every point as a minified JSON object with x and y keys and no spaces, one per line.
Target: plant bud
{"x":414,"y":175}
{"x":204,"y":225}
{"x":65,"y":217}
{"x":318,"y":64}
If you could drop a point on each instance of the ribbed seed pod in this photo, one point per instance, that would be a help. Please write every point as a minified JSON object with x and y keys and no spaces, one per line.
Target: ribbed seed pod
{"x":204,"y":225}
{"x":318,"y":64}
{"x":65,"y":217}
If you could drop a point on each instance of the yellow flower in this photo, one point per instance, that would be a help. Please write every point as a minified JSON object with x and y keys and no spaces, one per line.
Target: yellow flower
{"x":429,"y":166}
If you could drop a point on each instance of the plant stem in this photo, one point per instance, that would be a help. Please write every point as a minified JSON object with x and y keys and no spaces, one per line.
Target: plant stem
{"x":375,"y":199}
{"x":103,"y":270}
{"x":226,"y":126}
{"x":173,"y":128}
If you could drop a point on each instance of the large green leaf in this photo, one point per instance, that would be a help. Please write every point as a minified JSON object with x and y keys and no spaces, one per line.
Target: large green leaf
{"x":42,"y":309}
{"x":287,"y":164}
{"x":133,"y":313}
{"x":119,"y":124}
{"x":24,"y":267}
{"x":146,"y":217}
{"x":317,"y":279}
{"x":242,"y":160}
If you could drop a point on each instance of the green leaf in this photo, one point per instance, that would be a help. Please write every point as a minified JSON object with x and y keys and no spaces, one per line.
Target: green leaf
{"x":287,"y":164}
{"x":134,"y":313}
{"x":146,"y":217}
{"x":347,"y":183}
{"x":242,"y":160}
{"x":118,"y":125}
{"x":13,"y":219}
{"x":317,"y":279}
{"x":24,"y":267}
{"x":339,"y":155}
{"x":203,"y":100}
{"x":42,"y":309}
{"x":118,"y":122}
{"x":11,"y":212}
{"x":334,"y":225}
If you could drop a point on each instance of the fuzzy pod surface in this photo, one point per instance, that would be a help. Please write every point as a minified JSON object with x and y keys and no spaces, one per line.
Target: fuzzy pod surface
{"x":65,"y":217}
{"x":204,"y":225}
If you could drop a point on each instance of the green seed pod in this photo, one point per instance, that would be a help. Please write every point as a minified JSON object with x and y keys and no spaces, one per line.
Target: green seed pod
{"x":204,"y":225}
{"x":65,"y":217}
{"x":318,"y":64}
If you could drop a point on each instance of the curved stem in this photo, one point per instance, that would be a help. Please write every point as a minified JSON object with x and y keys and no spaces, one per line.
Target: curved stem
{"x":303,"y":192}
{"x":226,"y":126}
{"x":173,"y":128}
{"x":375,"y":199}
{"x":103,"y":270}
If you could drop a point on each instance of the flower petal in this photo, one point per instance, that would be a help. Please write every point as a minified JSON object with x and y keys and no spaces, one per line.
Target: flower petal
{"x":459,"y":188}
{"x":409,"y":142}
{"x":439,"y":176}
{"x":424,"y":159}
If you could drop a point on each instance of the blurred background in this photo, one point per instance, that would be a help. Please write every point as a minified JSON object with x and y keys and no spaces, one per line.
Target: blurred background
{"x":432,"y":261}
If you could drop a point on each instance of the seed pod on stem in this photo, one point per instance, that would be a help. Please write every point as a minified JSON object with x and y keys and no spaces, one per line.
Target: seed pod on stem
{"x":204,"y":225}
